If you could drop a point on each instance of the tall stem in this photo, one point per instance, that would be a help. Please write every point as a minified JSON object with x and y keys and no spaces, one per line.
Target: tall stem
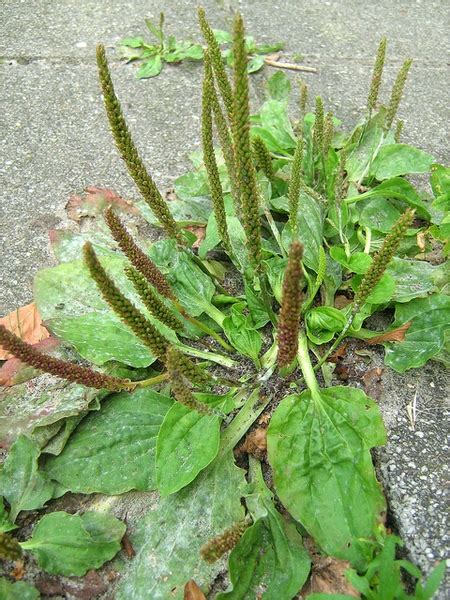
{"x":306,"y":366}
{"x":248,"y":414}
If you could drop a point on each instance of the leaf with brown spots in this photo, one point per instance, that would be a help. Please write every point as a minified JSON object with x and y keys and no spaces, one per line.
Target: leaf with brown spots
{"x":396,"y":335}
{"x":26,"y":323}
{"x":193,"y":592}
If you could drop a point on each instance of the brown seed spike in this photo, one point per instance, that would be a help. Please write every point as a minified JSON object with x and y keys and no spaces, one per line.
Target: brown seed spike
{"x":136,"y":256}
{"x":226,"y":541}
{"x":61,"y":368}
{"x":291,"y":303}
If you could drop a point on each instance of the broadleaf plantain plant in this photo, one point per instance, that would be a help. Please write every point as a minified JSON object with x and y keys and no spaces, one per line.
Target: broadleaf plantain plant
{"x":299,"y":216}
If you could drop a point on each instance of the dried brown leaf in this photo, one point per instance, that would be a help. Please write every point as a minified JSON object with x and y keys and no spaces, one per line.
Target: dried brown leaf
{"x":199,"y":231}
{"x":193,"y":592}
{"x":340,"y":301}
{"x":255,"y":443}
{"x":26,"y":323}
{"x":94,"y":202}
{"x":396,"y":335}
{"x":14,"y":371}
{"x":328,"y":577}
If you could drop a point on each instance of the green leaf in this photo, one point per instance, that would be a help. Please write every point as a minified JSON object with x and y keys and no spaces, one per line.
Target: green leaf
{"x":31,"y":406}
{"x":69,"y":302}
{"x":5,"y":523}
{"x":274,"y":121}
{"x":113,"y":451}
{"x":71,"y":545}
{"x":21,"y":483}
{"x":270,"y":556}
{"x":400,"y":159}
{"x":169,"y":537}
{"x":433,"y":581}
{"x":275,"y":268}
{"x":155,"y":29}
{"x":255,"y":63}
{"x":440,"y":179}
{"x":279,"y":87}
{"x":241,"y":334}
{"x":310,"y":228}
{"x":133,"y":42}
{"x":398,"y":189}
{"x":187,"y":443}
{"x":19,"y":590}
{"x":319,"y":450}
{"x":193,"y":184}
{"x":188,"y":211}
{"x":413,"y":278}
{"x":323,"y":596}
{"x":358,"y":160}
{"x":150,"y":68}
{"x":381,"y":293}
{"x":323,"y":322}
{"x":378,"y":214}
{"x":222,"y":37}
{"x":430,"y":319}
{"x":358,"y":262}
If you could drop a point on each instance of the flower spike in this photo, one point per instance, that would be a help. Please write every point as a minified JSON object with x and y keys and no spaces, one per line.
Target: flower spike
{"x":60,"y":368}
{"x":397,"y":92}
{"x":129,"y":152}
{"x":135,"y":255}
{"x":291,"y":304}
{"x":377,"y":75}
{"x":383,"y":257}
{"x":125,"y":309}
{"x":226,"y":541}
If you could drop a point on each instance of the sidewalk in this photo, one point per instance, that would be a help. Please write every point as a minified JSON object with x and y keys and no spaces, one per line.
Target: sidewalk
{"x":56,"y":142}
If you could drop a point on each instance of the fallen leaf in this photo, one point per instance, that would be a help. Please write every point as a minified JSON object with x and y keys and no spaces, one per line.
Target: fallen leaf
{"x":199,"y":231}
{"x":19,"y":570}
{"x":327,"y":575}
{"x":339,"y":354}
{"x":193,"y":592}
{"x":14,"y":371}
{"x":26,"y":323}
{"x":255,"y":443}
{"x":373,"y":383}
{"x":421,"y":242}
{"x":127,"y":546}
{"x":396,"y":335}
{"x":94,"y":203}
{"x":273,"y":57}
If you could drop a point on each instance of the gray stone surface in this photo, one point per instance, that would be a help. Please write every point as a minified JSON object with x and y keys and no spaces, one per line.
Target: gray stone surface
{"x":55,"y":142}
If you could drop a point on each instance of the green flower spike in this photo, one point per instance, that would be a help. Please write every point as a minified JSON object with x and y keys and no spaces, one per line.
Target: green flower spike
{"x":151,"y":300}
{"x":125,"y":309}
{"x":129,"y":153}
{"x":176,"y":368}
{"x":295,"y":185}
{"x":135,"y":255}
{"x":397,"y":92}
{"x":209,"y":157}
{"x":398,"y":130}
{"x":243,"y":154}
{"x":383,"y":257}
{"x":226,"y":541}
{"x":9,"y":547}
{"x":291,"y":304}
{"x":189,"y":369}
{"x":217,"y":64}
{"x":328,"y":130}
{"x":339,"y":182}
{"x":262,"y":157}
{"x":318,"y":127}
{"x":303,"y":101}
{"x":377,"y":75}
{"x":60,"y":368}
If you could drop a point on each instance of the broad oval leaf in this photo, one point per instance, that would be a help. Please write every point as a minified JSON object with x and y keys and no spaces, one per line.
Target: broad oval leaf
{"x":400,"y":159}
{"x":21,"y":482}
{"x":150,"y":68}
{"x":70,"y":545}
{"x":269,"y":558}
{"x":169,"y":537}
{"x":426,"y":336}
{"x":187,"y":443}
{"x":113,"y":451}
{"x":319,"y":450}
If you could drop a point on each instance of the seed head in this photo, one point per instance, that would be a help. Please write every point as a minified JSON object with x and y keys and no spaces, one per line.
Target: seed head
{"x":226,"y":541}
{"x":10,"y":548}
{"x":60,"y":368}
{"x":377,"y":75}
{"x":291,"y":304}
{"x":397,"y":92}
